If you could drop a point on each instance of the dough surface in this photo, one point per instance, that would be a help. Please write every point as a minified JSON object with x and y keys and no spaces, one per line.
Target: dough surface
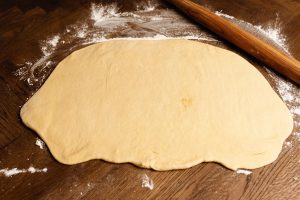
{"x":168,"y":104}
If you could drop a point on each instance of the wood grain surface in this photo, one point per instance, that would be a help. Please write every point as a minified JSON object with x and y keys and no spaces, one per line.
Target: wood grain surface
{"x":25,"y":24}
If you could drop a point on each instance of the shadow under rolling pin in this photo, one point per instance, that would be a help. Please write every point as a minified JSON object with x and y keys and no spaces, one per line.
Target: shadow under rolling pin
{"x":272,"y":57}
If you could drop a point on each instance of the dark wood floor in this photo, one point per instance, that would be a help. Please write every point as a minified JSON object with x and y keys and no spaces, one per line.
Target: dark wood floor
{"x":25,"y":23}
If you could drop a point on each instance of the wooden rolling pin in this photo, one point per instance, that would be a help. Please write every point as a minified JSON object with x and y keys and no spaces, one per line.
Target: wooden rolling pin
{"x":279,"y":61}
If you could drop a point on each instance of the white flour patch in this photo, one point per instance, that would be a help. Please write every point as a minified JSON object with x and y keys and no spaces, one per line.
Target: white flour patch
{"x":296,"y":136}
{"x":219,"y":13}
{"x":54,"y":41}
{"x":34,"y":170}
{"x":143,"y":22}
{"x":103,"y":14}
{"x":49,"y":45}
{"x":39,"y":143}
{"x":243,"y":171}
{"x":288,"y":144}
{"x":147,"y":7}
{"x":14,"y":171}
{"x":81,"y":34}
{"x":156,"y":18}
{"x":271,"y":32}
{"x":295,"y":111}
{"x":147,"y":182}
{"x":82,"y":31}
{"x":27,"y":72}
{"x":274,"y":33}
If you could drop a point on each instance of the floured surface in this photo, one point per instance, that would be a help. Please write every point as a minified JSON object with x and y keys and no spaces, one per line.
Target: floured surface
{"x":189,"y":103}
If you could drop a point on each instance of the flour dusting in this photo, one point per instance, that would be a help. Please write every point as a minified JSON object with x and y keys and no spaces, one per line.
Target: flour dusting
{"x":271,"y":32}
{"x":243,"y":171}
{"x":296,"y":111}
{"x":102,"y":14}
{"x":49,"y":45}
{"x":147,"y":182}
{"x":219,"y":13}
{"x":14,"y":171}
{"x":274,"y":33}
{"x":288,"y":144}
{"x":296,"y":136}
{"x":39,"y":143}
{"x":54,"y":41}
{"x":146,"y":7}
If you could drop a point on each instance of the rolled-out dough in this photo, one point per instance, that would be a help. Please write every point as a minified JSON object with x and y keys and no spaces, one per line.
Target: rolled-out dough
{"x":164,"y":105}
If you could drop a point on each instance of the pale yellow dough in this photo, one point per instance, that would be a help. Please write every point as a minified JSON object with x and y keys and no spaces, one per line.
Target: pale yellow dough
{"x":164,"y":105}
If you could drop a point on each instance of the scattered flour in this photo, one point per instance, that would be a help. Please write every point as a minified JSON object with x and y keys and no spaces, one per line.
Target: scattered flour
{"x":243,"y":171}
{"x":101,"y":13}
{"x":274,"y":33}
{"x":34,"y":170}
{"x":40,"y":143}
{"x":14,"y":171}
{"x":296,"y":136}
{"x":54,"y":41}
{"x":219,"y":13}
{"x":288,"y":144}
{"x":270,"y":32}
{"x":148,"y":7}
{"x":147,"y":182}
{"x":48,"y":48}
{"x":81,"y":33}
{"x":295,"y":111}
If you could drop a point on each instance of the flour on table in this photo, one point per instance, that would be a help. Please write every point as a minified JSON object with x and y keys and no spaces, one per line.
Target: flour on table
{"x":270,"y":32}
{"x":147,"y":182}
{"x":219,"y":13}
{"x":295,"y":111}
{"x":48,"y":48}
{"x":296,"y":136}
{"x":14,"y":171}
{"x":54,"y":41}
{"x":147,"y":6}
{"x":40,"y":143}
{"x":49,"y":45}
{"x":288,"y":144}
{"x":102,"y":14}
{"x":243,"y":171}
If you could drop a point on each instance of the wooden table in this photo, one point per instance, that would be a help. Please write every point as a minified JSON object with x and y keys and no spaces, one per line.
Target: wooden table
{"x":25,"y":25}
